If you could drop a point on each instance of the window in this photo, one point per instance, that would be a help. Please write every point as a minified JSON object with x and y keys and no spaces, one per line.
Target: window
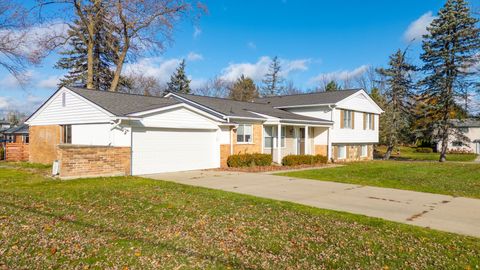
{"x":244,"y":134}
{"x":369,"y":121}
{"x":26,"y":139}
{"x":364,"y":151}
{"x":342,"y":152}
{"x":457,"y":143}
{"x":347,"y":121}
{"x":67,"y":134}
{"x":463,"y":129}
{"x":270,"y":136}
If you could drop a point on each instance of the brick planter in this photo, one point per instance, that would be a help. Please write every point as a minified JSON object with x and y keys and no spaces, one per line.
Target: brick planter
{"x":90,"y":161}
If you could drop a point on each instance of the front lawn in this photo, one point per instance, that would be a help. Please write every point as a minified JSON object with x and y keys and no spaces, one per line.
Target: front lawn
{"x":451,"y":178}
{"x":135,"y":223}
{"x":409,"y":153}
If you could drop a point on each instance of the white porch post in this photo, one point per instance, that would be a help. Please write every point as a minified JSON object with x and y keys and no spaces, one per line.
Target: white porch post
{"x":279,"y":143}
{"x":329,"y":144}
{"x":307,"y":141}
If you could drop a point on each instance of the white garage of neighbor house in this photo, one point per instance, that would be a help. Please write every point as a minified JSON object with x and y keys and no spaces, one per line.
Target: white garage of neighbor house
{"x":96,"y":133}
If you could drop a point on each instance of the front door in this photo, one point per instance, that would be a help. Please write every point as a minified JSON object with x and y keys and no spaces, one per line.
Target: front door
{"x":301,"y":141}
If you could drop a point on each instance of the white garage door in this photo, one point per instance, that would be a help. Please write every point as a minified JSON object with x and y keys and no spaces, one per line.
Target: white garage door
{"x":171,"y":150}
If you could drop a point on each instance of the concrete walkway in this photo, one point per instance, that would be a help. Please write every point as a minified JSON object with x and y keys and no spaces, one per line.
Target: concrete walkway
{"x":441,"y":212}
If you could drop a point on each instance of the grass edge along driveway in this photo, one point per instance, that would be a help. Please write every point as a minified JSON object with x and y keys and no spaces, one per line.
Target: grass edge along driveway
{"x":449,"y":178}
{"x":139,"y":223}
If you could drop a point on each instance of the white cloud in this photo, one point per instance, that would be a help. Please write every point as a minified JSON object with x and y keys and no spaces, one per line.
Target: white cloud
{"x":25,"y":105}
{"x":156,"y":67}
{"x":340,"y":75}
{"x":192,"y":56}
{"x":49,"y":83}
{"x":196,"y":31}
{"x":257,"y":70}
{"x":251,"y":45}
{"x":4,"y":103}
{"x":418,"y":28}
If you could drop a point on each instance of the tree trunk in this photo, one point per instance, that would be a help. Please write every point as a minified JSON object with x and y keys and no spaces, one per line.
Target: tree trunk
{"x":90,"y":60}
{"x":388,"y":153}
{"x":443,"y":151}
{"x":118,"y":70}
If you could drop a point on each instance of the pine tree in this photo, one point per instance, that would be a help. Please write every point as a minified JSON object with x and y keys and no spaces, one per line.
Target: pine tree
{"x":398,"y":94}
{"x":449,"y":49}
{"x":381,"y":101}
{"x":273,"y":81}
{"x":332,"y":86}
{"x":244,"y":89}
{"x":75,"y":57}
{"x":179,"y":82}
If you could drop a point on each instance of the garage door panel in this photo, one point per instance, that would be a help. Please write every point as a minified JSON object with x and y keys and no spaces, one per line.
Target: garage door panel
{"x":168,"y":150}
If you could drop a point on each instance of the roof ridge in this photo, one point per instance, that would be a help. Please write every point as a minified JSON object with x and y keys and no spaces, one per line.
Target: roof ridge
{"x":220,"y":98}
{"x":111,"y":92}
{"x":313,"y":93}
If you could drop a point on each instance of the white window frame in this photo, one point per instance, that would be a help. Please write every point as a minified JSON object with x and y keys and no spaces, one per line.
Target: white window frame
{"x":244,"y":134}
{"x":275,"y":137}
{"x":347,"y":119}
{"x":67,"y":138}
{"x":364,"y":151}
{"x":339,"y":154}
{"x":370,"y":121}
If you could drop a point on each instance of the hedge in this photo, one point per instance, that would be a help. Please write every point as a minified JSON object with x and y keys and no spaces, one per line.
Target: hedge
{"x":294,"y":160}
{"x":424,"y":150}
{"x":249,"y":160}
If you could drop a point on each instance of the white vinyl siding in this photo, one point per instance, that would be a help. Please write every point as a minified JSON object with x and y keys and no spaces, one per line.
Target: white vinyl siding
{"x":76,"y":111}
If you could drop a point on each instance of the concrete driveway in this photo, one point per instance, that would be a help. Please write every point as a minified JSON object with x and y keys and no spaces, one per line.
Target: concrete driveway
{"x":441,"y":212}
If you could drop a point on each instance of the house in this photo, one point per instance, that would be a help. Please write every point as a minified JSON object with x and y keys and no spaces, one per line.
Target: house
{"x":470,"y":131}
{"x":16,"y":143}
{"x":4,"y":125}
{"x":103,"y":133}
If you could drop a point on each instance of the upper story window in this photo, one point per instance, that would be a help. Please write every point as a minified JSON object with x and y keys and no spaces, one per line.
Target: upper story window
{"x":67,"y":134}
{"x":270,"y":136}
{"x":369,"y":121}
{"x":244,"y":133}
{"x":457,"y":144}
{"x":347,"y":119}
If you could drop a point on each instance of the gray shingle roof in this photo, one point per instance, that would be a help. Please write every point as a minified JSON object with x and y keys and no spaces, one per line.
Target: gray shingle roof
{"x":234,"y":108}
{"x":21,"y":129}
{"x":122,"y":104}
{"x":309,"y":99}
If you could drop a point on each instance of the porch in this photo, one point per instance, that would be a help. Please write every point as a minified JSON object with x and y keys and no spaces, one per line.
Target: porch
{"x":295,"y":139}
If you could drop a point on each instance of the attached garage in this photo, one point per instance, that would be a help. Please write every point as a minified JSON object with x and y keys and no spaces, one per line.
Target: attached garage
{"x":157,"y":150}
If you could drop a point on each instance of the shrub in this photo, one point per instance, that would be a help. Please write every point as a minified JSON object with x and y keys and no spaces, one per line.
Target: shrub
{"x":294,"y":160}
{"x":249,"y":160}
{"x":2,"y":153}
{"x":424,"y":150}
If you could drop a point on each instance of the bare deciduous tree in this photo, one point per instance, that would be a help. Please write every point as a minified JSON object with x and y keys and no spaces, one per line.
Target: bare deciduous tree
{"x":215,"y":87}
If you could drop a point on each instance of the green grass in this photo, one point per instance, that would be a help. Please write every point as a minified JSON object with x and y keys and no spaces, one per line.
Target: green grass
{"x":408,"y":153}
{"x":451,"y":178}
{"x":145,"y":224}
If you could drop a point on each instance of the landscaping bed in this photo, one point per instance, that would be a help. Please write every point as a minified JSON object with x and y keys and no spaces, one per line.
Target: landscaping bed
{"x":273,"y":168}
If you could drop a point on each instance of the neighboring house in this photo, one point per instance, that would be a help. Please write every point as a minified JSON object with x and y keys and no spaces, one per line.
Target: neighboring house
{"x":4,"y":125}
{"x":17,"y":140}
{"x":103,"y":133}
{"x":470,"y":128}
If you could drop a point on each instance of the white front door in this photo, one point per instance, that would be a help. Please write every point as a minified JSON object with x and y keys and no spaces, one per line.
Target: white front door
{"x":156,"y":150}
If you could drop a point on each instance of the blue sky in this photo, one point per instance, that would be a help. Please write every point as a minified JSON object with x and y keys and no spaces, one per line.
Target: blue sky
{"x":314,"y":39}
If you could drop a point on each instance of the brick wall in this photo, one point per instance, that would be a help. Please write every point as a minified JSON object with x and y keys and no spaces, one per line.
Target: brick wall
{"x":321,"y":150}
{"x":255,"y":147}
{"x":81,"y":161}
{"x":354,"y":152}
{"x":43,"y":143}
{"x":224,"y":154}
{"x":16,"y":152}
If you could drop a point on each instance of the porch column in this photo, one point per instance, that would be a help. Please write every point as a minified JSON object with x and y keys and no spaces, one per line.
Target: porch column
{"x":329,"y":144}
{"x":279,"y":143}
{"x":307,"y":142}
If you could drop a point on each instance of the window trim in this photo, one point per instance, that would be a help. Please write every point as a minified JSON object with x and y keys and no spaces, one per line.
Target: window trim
{"x":350,"y":122}
{"x":370,"y":121}
{"x":66,"y":128}
{"x":275,"y":136}
{"x":364,"y":146}
{"x":251,"y":135}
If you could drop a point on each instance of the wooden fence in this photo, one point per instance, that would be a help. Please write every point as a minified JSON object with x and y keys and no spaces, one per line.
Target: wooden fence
{"x":16,"y":152}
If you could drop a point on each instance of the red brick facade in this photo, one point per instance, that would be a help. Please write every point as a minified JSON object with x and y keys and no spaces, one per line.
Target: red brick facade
{"x":88,"y":161}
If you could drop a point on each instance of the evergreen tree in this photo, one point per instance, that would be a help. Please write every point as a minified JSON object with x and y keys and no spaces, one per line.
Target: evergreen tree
{"x":332,"y":86}
{"x":75,"y":58}
{"x":449,"y":49}
{"x":381,"y":101}
{"x":244,"y":89}
{"x":179,"y":81}
{"x":398,"y":94}
{"x":273,"y":81}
